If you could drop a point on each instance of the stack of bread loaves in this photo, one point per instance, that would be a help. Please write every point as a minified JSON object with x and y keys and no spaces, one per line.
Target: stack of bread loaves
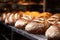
{"x":34,"y":22}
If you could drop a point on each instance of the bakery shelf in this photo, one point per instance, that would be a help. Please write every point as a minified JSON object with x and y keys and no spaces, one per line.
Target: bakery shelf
{"x":4,"y":4}
{"x":16,"y":7}
{"x":24,"y":33}
{"x":28,"y":35}
{"x":4,"y":1}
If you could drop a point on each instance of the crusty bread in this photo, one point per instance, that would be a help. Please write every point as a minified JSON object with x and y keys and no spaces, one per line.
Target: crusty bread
{"x":20,"y":24}
{"x":16,"y":17}
{"x":34,"y":27}
{"x":10,"y":19}
{"x":54,"y":18}
{"x":38,"y":25}
{"x":53,"y":31}
{"x":27,"y":17}
{"x":6,"y":20}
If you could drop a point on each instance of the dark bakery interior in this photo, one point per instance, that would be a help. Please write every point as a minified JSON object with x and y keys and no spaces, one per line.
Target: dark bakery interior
{"x":29,"y":19}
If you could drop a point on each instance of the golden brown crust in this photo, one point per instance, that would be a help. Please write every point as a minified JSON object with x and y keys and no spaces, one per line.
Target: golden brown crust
{"x":36,"y":27}
{"x":53,"y":31}
{"x":27,"y":17}
{"x":46,"y":15}
{"x":39,"y":24}
{"x":54,"y":18}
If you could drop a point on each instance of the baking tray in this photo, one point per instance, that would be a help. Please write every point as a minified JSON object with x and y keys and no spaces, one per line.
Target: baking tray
{"x":26,"y":34}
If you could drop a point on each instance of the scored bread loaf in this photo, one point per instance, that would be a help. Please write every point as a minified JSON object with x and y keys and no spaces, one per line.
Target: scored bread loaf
{"x":27,"y":17}
{"x":54,"y":18}
{"x":53,"y":31}
{"x":34,"y":27}
{"x":7,"y":17}
{"x":38,"y":25}
{"x":23,"y":21}
{"x":16,"y":17}
{"x":20,"y":24}
{"x":10,"y":19}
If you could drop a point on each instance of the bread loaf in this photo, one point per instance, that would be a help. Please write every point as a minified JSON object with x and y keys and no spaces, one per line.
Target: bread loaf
{"x":53,"y":31}
{"x":27,"y":17}
{"x":10,"y":19}
{"x":38,"y":25}
{"x":7,"y":17}
{"x":16,"y":17}
{"x":54,"y":18}
{"x":20,"y":24}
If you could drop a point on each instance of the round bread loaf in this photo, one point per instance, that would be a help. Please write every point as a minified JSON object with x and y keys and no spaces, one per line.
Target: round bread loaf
{"x":39,"y":24}
{"x":20,"y":24}
{"x":53,"y":31}
{"x":53,"y":19}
